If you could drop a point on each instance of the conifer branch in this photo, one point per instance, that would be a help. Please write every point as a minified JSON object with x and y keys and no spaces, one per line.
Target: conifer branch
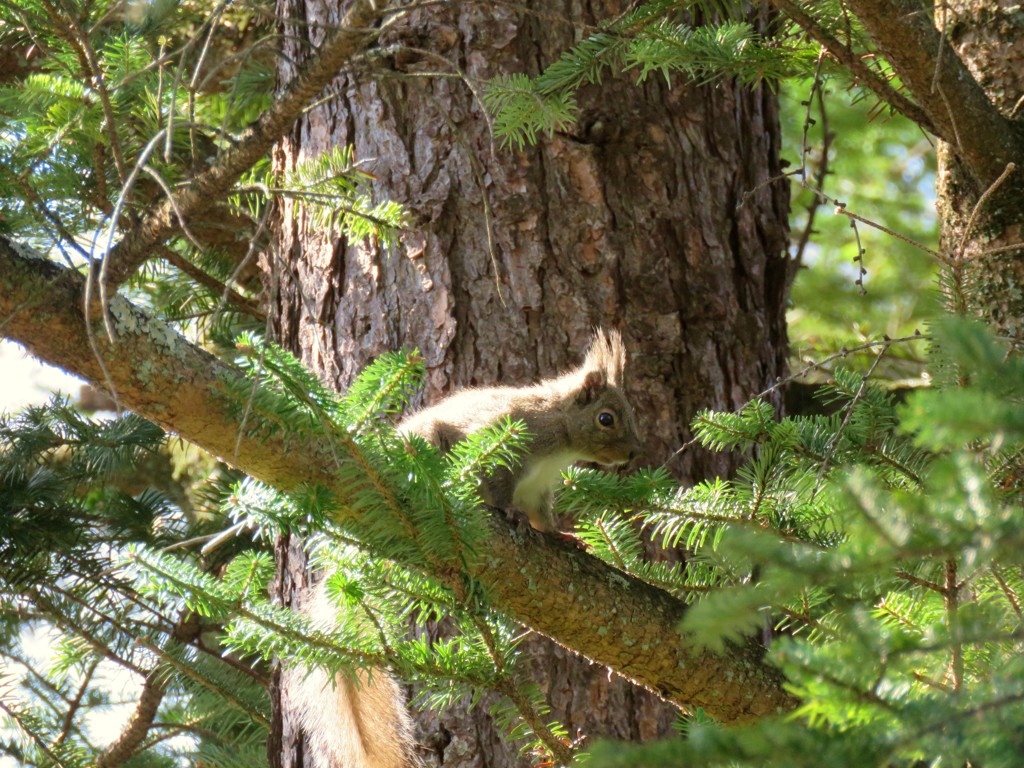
{"x":951,"y":603}
{"x":956,"y":106}
{"x":225,"y":291}
{"x":75,"y":704}
{"x":854,"y":62}
{"x":1011,"y":595}
{"x":33,"y":734}
{"x":60,"y":618}
{"x":511,"y":689}
{"x":561,"y":751}
{"x":67,"y":27}
{"x":353,"y":37}
{"x":125,"y":746}
{"x":608,"y":617}
{"x":32,"y":196}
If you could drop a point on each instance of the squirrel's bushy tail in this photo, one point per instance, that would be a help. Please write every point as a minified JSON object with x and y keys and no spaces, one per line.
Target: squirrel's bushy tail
{"x":360,"y":723}
{"x":354,"y":724}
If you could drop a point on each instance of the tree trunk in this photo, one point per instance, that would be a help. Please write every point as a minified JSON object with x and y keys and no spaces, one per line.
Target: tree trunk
{"x":981,"y":225}
{"x":659,"y":214}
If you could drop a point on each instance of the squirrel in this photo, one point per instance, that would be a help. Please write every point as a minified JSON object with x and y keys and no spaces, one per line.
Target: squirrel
{"x":582,"y":415}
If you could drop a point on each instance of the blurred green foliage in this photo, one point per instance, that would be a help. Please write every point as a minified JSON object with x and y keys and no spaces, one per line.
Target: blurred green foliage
{"x":883,"y":168}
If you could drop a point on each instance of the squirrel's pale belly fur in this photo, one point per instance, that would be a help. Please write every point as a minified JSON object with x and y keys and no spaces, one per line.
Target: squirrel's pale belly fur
{"x":582,"y":415}
{"x":538,"y":478}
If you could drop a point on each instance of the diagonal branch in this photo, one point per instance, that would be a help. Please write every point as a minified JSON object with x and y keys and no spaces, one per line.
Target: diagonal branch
{"x":853,"y":61}
{"x":68,"y":28}
{"x":128,"y":742}
{"x":953,"y":100}
{"x":354,"y":36}
{"x":549,"y":585}
{"x":224,"y":290}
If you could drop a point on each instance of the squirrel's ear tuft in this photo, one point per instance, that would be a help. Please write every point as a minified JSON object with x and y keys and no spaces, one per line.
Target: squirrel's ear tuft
{"x":607,"y":354}
{"x":594,"y":383}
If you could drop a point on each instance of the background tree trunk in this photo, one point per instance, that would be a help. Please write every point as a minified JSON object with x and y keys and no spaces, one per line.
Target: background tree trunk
{"x":987,"y":36}
{"x":660,"y":214}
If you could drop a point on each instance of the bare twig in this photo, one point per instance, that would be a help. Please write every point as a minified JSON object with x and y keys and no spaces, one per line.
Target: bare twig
{"x":200,"y":62}
{"x":841,"y":210}
{"x":859,"y":258}
{"x":122,"y":198}
{"x":822,"y":170}
{"x":957,"y":263}
{"x":942,"y":48}
{"x":982,"y":201}
{"x":90,"y":332}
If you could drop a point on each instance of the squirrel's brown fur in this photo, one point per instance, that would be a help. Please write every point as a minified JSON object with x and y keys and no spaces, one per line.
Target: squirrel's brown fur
{"x":582,"y":415}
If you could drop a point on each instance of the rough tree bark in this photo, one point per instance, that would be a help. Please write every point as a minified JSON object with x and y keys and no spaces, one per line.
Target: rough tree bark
{"x":658,"y":214}
{"x":985,"y":237}
{"x":961,"y":62}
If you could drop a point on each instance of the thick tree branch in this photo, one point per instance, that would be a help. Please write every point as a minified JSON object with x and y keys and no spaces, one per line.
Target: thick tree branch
{"x":550,"y":586}
{"x":354,"y":36}
{"x":955,"y":103}
{"x":124,"y":747}
{"x":850,"y":59}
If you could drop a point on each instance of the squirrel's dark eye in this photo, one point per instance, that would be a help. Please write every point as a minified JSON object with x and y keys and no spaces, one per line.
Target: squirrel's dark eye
{"x":606,"y":419}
